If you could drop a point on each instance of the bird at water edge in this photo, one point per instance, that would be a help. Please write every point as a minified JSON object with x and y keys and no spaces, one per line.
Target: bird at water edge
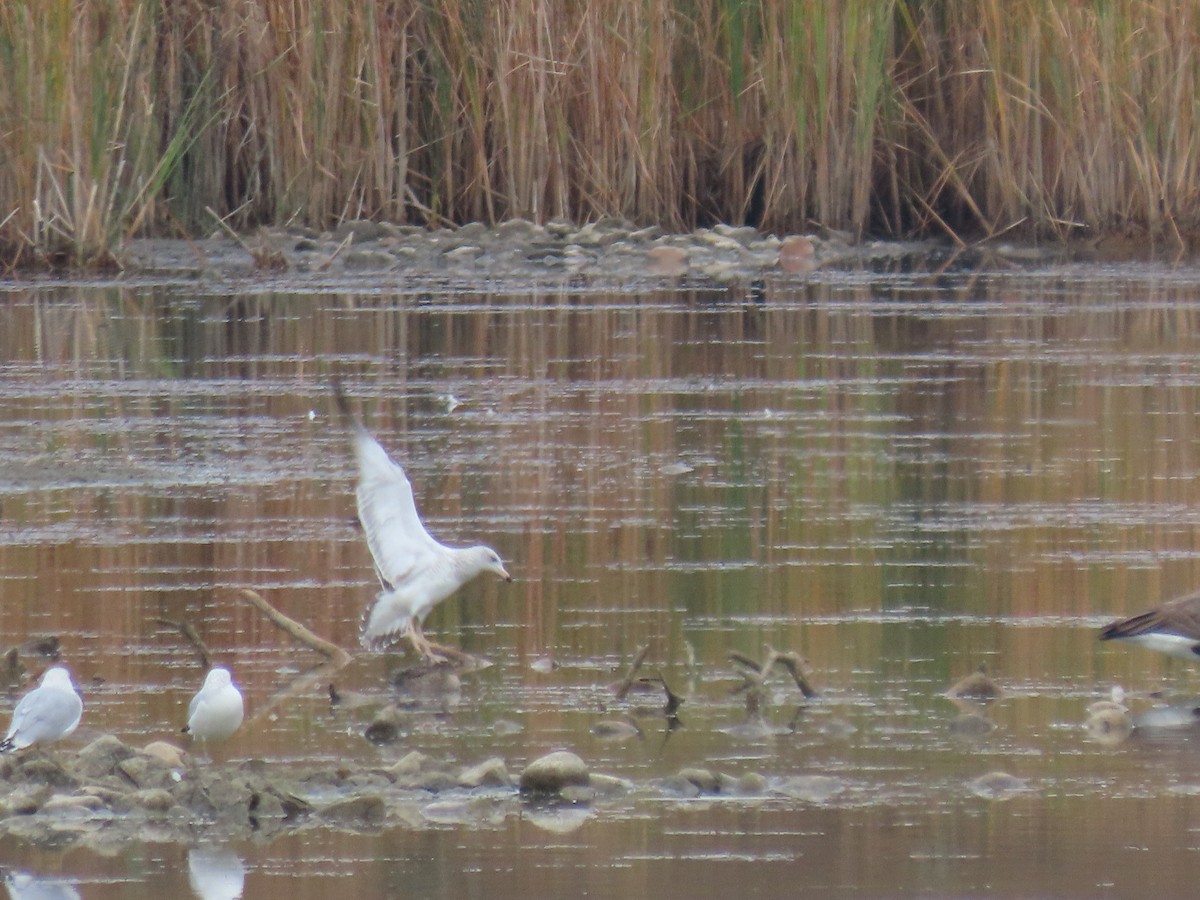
{"x":48,"y":713}
{"x":215,"y":713}
{"x":1172,"y":628}
{"x":416,"y":571}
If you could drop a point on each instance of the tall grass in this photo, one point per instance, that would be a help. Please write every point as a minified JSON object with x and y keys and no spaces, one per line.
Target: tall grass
{"x":125,"y":117}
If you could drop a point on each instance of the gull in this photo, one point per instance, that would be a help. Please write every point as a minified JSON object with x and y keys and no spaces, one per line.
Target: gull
{"x":215,"y":713}
{"x":415,"y":571}
{"x":46,"y":714}
{"x":1172,"y":628}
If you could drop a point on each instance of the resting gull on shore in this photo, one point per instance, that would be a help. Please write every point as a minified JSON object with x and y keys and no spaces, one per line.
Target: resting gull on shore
{"x":416,"y":571}
{"x":46,"y":714}
{"x":215,"y":713}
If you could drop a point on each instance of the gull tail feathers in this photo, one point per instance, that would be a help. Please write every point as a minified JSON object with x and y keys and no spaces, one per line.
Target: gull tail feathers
{"x":377,"y":642}
{"x":7,"y":745}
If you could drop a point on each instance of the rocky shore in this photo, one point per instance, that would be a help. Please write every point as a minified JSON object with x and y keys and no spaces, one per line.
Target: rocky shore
{"x":605,"y":253}
{"x":109,"y":793}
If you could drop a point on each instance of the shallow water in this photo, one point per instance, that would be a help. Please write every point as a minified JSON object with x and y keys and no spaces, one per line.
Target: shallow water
{"x":900,"y":475}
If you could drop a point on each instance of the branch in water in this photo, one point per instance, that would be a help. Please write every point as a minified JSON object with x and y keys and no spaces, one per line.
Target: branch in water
{"x":293,"y":628}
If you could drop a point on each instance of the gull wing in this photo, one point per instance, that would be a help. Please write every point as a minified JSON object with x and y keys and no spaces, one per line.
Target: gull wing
{"x":395,"y":535}
{"x":45,"y":713}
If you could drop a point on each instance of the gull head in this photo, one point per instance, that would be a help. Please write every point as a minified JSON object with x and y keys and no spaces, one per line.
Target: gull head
{"x":485,"y":559}
{"x":216,"y":679}
{"x":58,"y":677}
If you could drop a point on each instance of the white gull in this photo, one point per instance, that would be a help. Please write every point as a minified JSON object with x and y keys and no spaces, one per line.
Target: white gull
{"x":215,"y":713}
{"x":46,"y":714}
{"x":416,"y":571}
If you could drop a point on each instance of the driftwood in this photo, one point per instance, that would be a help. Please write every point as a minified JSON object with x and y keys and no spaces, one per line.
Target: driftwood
{"x":755,"y":673}
{"x":336,"y":657}
{"x":622,"y":688}
{"x":295,"y":630}
{"x":192,"y":637}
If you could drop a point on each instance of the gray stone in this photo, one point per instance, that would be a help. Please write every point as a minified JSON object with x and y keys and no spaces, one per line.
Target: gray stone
{"x":703,"y":779}
{"x":491,"y":773}
{"x":356,"y":812}
{"x":553,"y":772}
{"x":101,"y":757}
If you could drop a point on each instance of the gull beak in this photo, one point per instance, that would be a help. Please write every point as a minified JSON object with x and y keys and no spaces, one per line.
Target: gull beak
{"x":503,"y":573}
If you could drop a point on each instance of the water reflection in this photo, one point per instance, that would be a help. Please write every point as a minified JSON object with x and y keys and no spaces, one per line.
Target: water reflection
{"x":25,"y":886}
{"x":899,"y":477}
{"x":216,"y":873}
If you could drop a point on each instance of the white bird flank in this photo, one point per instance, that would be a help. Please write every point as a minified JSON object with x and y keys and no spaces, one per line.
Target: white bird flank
{"x":215,"y":713}
{"x":48,"y":713}
{"x":416,"y":571}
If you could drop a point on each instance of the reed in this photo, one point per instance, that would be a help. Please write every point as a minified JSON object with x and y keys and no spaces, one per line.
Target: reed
{"x":127,"y":117}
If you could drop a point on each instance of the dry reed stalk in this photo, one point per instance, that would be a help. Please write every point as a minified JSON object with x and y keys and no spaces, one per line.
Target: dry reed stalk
{"x":977,"y":116}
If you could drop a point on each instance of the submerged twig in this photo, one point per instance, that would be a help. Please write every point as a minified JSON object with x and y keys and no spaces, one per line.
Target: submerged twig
{"x":621,"y":688}
{"x":755,"y":674}
{"x":190,"y":634}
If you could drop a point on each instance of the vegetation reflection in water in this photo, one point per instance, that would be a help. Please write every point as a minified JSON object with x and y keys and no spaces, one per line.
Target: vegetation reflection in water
{"x":899,"y":477}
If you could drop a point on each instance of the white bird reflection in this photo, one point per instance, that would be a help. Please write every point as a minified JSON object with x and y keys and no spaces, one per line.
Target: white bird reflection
{"x":216,"y":873}
{"x":24,"y":886}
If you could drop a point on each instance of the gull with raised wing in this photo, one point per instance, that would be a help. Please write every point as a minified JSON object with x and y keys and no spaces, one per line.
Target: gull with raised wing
{"x":215,"y":713}
{"x":46,"y":714}
{"x":416,"y":571}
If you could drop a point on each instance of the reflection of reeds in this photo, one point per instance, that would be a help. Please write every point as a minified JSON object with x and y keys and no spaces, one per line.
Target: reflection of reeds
{"x":980,"y":116}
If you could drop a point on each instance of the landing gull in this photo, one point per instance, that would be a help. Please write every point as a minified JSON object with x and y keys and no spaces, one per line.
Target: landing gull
{"x":215,"y":713}
{"x":416,"y":571}
{"x":46,"y":714}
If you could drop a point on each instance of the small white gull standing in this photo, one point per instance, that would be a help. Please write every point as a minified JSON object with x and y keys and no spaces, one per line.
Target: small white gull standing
{"x":46,"y":714}
{"x":416,"y":571}
{"x":215,"y":713}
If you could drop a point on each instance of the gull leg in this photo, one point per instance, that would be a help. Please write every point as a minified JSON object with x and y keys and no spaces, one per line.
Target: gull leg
{"x":421,"y":643}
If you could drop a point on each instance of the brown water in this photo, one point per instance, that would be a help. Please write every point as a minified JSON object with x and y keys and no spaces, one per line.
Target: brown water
{"x":900,"y":475}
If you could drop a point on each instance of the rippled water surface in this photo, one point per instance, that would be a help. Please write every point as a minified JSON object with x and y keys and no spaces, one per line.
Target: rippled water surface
{"x":899,"y":475}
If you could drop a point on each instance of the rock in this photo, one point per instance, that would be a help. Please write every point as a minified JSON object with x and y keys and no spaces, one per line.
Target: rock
{"x":977,"y":686}
{"x":38,"y":769}
{"x":666,"y":260}
{"x":997,"y":785}
{"x":362,"y":230}
{"x":550,"y":774}
{"x":615,"y":730}
{"x":148,"y":772}
{"x":366,"y":261}
{"x":811,"y":788}
{"x":166,"y":753}
{"x":155,"y":800}
{"x":797,"y":254}
{"x":410,"y":764}
{"x":385,"y":728}
{"x":101,"y":757}
{"x":25,"y":800}
{"x":356,"y":812}
{"x":608,"y":786}
{"x":1109,"y":725}
{"x":751,"y":783}
{"x":69,"y":805}
{"x":704,"y":780}
{"x":491,"y":773}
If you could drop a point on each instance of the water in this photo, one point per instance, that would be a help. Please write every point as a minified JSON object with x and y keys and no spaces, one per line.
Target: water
{"x":900,"y":475}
